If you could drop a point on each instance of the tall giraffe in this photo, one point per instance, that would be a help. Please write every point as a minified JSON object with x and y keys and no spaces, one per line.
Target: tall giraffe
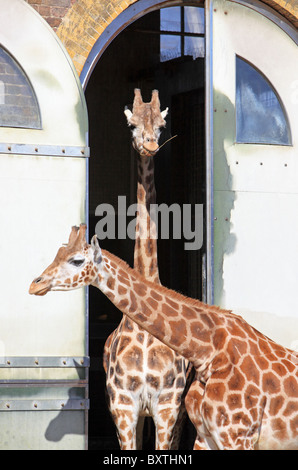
{"x":250,"y":398}
{"x":121,"y":346}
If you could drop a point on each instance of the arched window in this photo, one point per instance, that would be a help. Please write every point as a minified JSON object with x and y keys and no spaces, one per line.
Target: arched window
{"x":260,"y":117}
{"x":18,"y":102}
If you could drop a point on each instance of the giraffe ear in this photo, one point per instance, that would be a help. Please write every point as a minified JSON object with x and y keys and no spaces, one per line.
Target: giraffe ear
{"x":132,"y":120}
{"x":128,"y":115}
{"x":96,"y":250}
{"x":164,"y":113}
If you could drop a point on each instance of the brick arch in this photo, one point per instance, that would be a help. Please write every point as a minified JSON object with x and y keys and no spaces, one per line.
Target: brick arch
{"x":83,"y":24}
{"x":86,"y":20}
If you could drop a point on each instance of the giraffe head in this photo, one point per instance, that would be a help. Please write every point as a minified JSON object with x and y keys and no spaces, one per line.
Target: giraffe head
{"x":146,"y":121}
{"x":76,"y":264}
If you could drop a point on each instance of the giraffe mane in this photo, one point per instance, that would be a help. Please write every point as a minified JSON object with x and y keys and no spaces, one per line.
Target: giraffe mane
{"x":191,"y":302}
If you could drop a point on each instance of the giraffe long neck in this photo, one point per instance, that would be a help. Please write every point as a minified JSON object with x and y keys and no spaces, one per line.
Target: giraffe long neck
{"x":181,"y":323}
{"x":145,"y":253}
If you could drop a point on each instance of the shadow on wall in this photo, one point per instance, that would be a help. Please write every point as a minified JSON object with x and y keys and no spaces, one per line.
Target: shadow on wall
{"x":224,"y":197}
{"x":71,"y":420}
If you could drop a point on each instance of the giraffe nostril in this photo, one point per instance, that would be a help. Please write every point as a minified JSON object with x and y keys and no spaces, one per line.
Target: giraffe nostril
{"x":37,"y":280}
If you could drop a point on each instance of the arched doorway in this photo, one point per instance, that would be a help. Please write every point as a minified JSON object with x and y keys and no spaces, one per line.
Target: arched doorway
{"x":115,"y":66}
{"x":162,"y":50}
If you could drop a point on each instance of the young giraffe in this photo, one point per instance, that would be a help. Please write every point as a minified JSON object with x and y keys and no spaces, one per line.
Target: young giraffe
{"x":130,"y":348}
{"x":250,"y":397}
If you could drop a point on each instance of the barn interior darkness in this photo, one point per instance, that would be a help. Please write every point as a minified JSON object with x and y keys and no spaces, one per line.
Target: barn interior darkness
{"x":144,"y":56}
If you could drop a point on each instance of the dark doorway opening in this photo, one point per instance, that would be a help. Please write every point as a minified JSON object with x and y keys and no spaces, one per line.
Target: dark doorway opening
{"x":152,"y":53}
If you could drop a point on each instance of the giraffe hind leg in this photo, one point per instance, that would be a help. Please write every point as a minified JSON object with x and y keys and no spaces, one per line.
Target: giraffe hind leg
{"x":165,"y":420}
{"x":193,"y":404}
{"x":125,"y":421}
{"x":127,"y":437}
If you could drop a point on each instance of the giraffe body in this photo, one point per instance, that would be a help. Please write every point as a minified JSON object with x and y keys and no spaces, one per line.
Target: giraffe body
{"x":143,"y":376}
{"x":249,"y":393}
{"x":149,"y":377}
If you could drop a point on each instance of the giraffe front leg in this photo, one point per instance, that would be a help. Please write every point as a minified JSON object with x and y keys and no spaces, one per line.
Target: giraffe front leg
{"x":231,"y":424}
{"x":193,"y":404}
{"x":232,"y":438}
{"x":200,"y":443}
{"x":235,"y":429}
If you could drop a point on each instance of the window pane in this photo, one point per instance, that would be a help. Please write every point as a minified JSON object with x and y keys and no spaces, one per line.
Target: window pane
{"x":170,"y":47}
{"x":259,"y":114}
{"x":194,"y":46}
{"x":18,"y":103}
{"x":170,"y":19}
{"x":194,"y":20}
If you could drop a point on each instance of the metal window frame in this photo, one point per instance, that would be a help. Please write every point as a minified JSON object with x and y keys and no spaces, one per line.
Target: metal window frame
{"x":34,"y":96}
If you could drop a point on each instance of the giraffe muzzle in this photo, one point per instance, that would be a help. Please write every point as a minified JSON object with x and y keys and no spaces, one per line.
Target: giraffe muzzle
{"x":40,"y":286}
{"x":149,"y":150}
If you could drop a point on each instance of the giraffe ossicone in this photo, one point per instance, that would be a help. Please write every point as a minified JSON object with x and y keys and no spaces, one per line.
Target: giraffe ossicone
{"x":249,"y":395}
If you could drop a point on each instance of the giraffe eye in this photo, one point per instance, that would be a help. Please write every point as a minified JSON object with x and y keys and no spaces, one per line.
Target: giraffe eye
{"x":76,"y":262}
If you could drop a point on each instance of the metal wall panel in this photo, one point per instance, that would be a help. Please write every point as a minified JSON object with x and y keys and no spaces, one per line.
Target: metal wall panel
{"x":42,"y":418}
{"x":43,"y":341}
{"x":255,"y":186}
